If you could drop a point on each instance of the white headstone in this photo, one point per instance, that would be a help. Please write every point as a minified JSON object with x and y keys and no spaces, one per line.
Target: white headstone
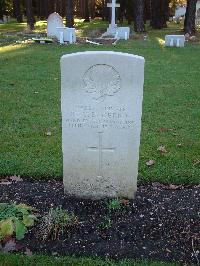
{"x":5,"y":19}
{"x":123,"y":33}
{"x":198,"y":13}
{"x":61,"y":37}
{"x":101,"y":102}
{"x":175,"y":40}
{"x":54,"y":20}
{"x":198,"y":9}
{"x":180,"y":11}
{"x":69,"y":34}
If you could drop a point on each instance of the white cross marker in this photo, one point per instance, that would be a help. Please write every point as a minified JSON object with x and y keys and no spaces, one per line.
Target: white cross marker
{"x":113,"y":5}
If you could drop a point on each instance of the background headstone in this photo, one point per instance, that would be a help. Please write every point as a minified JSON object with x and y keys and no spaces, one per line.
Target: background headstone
{"x":180,"y":12}
{"x":67,"y":34}
{"x":112,"y":26}
{"x":54,"y":20}
{"x":175,"y":40}
{"x":5,"y":19}
{"x":101,"y":121}
{"x":123,"y":33}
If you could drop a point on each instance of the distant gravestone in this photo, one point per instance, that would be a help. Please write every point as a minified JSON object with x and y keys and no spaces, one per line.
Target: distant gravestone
{"x":175,"y":40}
{"x":198,"y":13}
{"x":180,"y":12}
{"x":101,"y":121}
{"x":197,"y":20}
{"x":5,"y":19}
{"x":66,"y":34}
{"x":54,"y":20}
{"x":112,"y":26}
{"x":122,"y":33}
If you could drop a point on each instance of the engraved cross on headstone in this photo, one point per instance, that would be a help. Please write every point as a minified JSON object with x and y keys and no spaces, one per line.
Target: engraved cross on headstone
{"x":113,"y":5}
{"x":100,"y":148}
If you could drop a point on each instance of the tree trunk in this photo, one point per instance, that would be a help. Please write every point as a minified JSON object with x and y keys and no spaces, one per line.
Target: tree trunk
{"x":16,"y":11}
{"x":69,"y":14}
{"x":29,"y":14}
{"x":106,"y":12}
{"x":147,"y":10}
{"x":92,"y":9}
{"x":130,"y":11}
{"x":59,"y":7}
{"x":159,"y":13}
{"x":46,"y":6}
{"x":86,"y":11}
{"x":139,"y":15}
{"x":165,"y":11}
{"x":189,"y":23}
{"x":2,"y":9}
{"x":51,"y":6}
{"x":42,"y":9}
{"x":63,"y":8}
{"x":121,"y":11}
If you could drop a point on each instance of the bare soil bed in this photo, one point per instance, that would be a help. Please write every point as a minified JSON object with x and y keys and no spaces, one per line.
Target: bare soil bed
{"x":162,"y":223}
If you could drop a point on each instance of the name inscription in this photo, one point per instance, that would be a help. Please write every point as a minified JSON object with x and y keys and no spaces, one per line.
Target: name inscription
{"x":108,"y":117}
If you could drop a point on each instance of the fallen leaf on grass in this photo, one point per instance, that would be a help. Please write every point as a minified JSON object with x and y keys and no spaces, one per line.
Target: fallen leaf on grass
{"x":162,"y":149}
{"x":196,"y":162}
{"x":179,"y":145}
{"x":28,"y":252}
{"x":163,"y":129}
{"x":16,"y":178}
{"x":150,"y":162}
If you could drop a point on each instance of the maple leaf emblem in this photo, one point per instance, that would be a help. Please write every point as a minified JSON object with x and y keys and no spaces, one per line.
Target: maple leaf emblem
{"x":101,"y":81}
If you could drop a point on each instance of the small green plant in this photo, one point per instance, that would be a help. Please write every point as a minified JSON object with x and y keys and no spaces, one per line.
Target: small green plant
{"x":113,"y":205}
{"x":106,"y":223}
{"x":55,"y":222}
{"x":14,"y":219}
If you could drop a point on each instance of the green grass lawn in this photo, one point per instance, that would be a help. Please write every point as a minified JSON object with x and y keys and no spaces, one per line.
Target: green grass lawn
{"x":30,"y":107}
{"x":40,"y":260}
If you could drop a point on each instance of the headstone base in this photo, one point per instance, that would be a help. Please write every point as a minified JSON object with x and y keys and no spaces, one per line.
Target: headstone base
{"x":175,"y":40}
{"x":66,"y":35}
{"x":122,"y":33}
{"x":112,"y":29}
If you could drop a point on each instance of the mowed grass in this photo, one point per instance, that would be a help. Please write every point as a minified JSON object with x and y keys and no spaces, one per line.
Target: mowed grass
{"x":30,"y":120}
{"x":42,"y":260}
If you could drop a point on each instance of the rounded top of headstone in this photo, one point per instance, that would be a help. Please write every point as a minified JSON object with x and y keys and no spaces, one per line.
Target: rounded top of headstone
{"x":54,"y":14}
{"x":88,"y":53}
{"x":54,"y":20}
